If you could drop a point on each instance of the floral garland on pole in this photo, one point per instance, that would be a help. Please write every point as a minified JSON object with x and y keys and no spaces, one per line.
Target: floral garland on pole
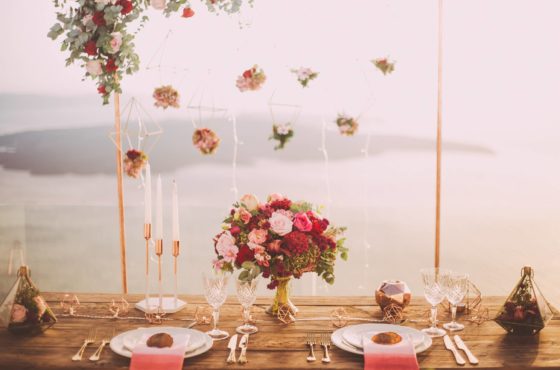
{"x":97,"y":34}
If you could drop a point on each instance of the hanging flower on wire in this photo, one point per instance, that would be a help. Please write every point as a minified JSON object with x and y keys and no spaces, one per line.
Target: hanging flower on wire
{"x":384,"y":65}
{"x":347,"y":125}
{"x":166,"y":96}
{"x":251,"y":80}
{"x":304,"y":75}
{"x":187,"y":12}
{"x":206,"y":140}
{"x":282,"y":133}
{"x":134,"y":162}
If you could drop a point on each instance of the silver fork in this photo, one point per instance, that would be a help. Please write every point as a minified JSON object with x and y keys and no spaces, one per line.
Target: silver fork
{"x":89,"y":340}
{"x":310,"y":341}
{"x":104,"y":341}
{"x":326,"y":343}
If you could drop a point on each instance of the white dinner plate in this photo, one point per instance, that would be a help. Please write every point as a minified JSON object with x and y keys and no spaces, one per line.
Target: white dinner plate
{"x":196,"y":338}
{"x":354,"y":334}
{"x":117,"y":343}
{"x":338,"y":340}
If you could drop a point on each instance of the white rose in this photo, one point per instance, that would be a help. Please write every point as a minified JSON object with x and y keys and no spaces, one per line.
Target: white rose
{"x":116,"y":42}
{"x":158,"y":4}
{"x":93,"y":67}
{"x":250,"y":202}
{"x":280,"y":224}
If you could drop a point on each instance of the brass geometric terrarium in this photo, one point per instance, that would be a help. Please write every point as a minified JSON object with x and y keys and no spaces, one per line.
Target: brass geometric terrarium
{"x":24,"y":311}
{"x":525,"y":311}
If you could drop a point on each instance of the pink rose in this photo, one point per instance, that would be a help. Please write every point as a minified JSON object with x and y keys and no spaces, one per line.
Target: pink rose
{"x":286,"y":213}
{"x":93,"y":67}
{"x":158,"y":4}
{"x":258,"y":236}
{"x":225,"y":244}
{"x":274,"y":246}
{"x":260,"y":254}
{"x":218,"y":264}
{"x":244,"y":215}
{"x":302,"y":222}
{"x":250,"y":202}
{"x":275,"y":196}
{"x":19,"y":313}
{"x":280,"y":223}
{"x":41,"y":305}
{"x":115,"y":42}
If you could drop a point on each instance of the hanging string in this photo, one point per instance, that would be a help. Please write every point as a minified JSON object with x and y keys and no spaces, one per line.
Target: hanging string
{"x":365,"y":192}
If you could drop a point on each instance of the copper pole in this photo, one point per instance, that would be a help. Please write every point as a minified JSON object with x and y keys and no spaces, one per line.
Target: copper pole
{"x":439,"y":124}
{"x":120,"y":188}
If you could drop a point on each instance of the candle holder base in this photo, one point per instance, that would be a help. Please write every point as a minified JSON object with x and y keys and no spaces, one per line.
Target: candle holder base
{"x":168,"y":305}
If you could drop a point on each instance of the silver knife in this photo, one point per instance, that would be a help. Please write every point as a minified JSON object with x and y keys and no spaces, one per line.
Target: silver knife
{"x":450,"y":346}
{"x":461,"y":345}
{"x":232,"y":345}
{"x":243,"y":345}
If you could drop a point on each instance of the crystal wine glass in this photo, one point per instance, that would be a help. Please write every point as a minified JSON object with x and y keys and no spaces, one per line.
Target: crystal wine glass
{"x":455,"y":290}
{"x":247,"y":293}
{"x":215,"y":294}
{"x":434,"y":291}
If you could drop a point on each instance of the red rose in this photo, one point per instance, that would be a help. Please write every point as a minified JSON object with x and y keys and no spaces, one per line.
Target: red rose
{"x":188,"y":12}
{"x":126,"y":6}
{"x":101,"y":90}
{"x":248,"y":73}
{"x":90,"y":48}
{"x":132,"y":154}
{"x":281,"y":204}
{"x":99,"y":19}
{"x":296,"y":242}
{"x":245,"y":254}
{"x":111,"y":66}
{"x":234,"y":230}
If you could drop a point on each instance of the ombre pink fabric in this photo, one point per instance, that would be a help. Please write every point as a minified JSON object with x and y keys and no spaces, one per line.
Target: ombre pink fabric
{"x":150,"y":358}
{"x":400,"y":356}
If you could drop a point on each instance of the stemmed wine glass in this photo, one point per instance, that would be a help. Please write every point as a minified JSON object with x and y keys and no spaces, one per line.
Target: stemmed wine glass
{"x":215,"y":294}
{"x":455,"y":290}
{"x":247,"y":293}
{"x":434,"y":291}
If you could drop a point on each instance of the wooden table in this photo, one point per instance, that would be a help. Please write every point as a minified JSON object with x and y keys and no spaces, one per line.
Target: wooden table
{"x":275,"y":346}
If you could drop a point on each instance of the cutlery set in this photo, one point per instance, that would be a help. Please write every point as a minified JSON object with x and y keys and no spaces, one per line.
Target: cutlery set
{"x":90,"y":339}
{"x":462,"y":346}
{"x":232,"y":345}
{"x":324,"y":341}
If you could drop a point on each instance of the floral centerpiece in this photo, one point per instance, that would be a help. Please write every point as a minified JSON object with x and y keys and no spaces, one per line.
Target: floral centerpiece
{"x":384,"y":65}
{"x":279,"y":239}
{"x":251,"y":79}
{"x":347,"y":126}
{"x":304,"y":75}
{"x":134,"y":161}
{"x":166,"y":96}
{"x":205,"y":140}
{"x":282,"y":133}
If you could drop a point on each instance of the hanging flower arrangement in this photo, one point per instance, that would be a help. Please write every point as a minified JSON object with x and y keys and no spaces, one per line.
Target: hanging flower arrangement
{"x":304,"y":75}
{"x":384,"y":65}
{"x":347,"y":125}
{"x":134,"y":162}
{"x":251,"y":80}
{"x":206,"y":140}
{"x":96,"y":34}
{"x":282,"y":133}
{"x":166,"y":96}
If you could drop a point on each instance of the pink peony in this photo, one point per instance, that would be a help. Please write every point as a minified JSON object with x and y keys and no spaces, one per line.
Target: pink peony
{"x":280,"y":223}
{"x":224,"y":243}
{"x":115,"y":42}
{"x":19,"y":313}
{"x":250,"y":202}
{"x":286,"y":213}
{"x":274,"y":246}
{"x":275,"y":196}
{"x":258,"y":236}
{"x":244,"y":215}
{"x":302,"y":222}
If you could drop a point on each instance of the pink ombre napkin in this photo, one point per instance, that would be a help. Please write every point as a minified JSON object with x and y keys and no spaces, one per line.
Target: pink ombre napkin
{"x":150,"y":358}
{"x":400,"y":356}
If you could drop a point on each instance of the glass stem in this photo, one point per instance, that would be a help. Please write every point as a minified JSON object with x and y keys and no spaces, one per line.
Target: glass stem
{"x":434,"y":316}
{"x":215,"y":318}
{"x":246,"y":314}
{"x":453,"y":313}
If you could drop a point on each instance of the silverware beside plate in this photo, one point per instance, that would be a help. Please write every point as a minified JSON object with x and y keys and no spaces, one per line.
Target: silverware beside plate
{"x":243,"y":345}
{"x":451,"y":347}
{"x":461,"y":345}
{"x":232,"y":345}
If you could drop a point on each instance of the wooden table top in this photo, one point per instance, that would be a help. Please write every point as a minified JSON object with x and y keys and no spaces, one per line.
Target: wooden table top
{"x":276,"y":345}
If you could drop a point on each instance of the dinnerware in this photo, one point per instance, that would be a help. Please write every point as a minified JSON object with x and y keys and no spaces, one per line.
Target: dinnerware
{"x":338,"y":340}
{"x":89,"y":340}
{"x":325,"y":343}
{"x":434,"y":291}
{"x":451,"y":347}
{"x":354,"y":334}
{"x":243,"y":345}
{"x":106,"y":339}
{"x":455,"y":289}
{"x":310,"y":341}
{"x":232,"y":345}
{"x":246,"y":294}
{"x":216,"y":294}
{"x":199,"y":342}
{"x":461,"y":345}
